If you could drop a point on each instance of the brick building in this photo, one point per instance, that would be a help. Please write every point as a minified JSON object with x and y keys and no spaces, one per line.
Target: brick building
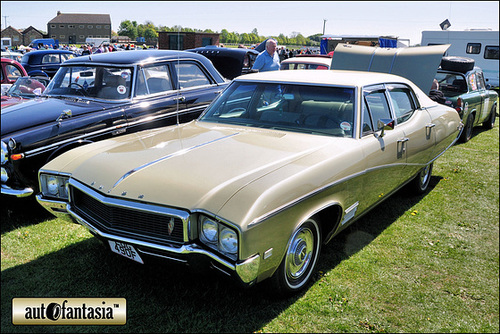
{"x":169,"y":40}
{"x":21,"y":37}
{"x":75,"y":28}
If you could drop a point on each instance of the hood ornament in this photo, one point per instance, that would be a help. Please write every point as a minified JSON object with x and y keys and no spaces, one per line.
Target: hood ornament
{"x":171,"y":226}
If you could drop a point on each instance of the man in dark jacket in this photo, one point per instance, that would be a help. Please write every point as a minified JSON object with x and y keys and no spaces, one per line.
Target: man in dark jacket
{"x":435,"y":94}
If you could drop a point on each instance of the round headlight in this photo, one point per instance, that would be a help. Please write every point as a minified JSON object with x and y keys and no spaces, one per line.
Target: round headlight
{"x":229,"y":240}
{"x":209,"y":228}
{"x":52,"y":185}
{"x":5,"y":153}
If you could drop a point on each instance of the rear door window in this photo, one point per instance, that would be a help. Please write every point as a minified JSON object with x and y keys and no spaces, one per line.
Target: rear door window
{"x":190,"y":75}
{"x":51,"y":59}
{"x":402,"y":103}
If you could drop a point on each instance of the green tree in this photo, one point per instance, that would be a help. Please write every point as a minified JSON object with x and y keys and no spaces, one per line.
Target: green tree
{"x":127,"y":28}
{"x":224,"y":36}
{"x":151,"y":35}
{"x":245,"y":38}
{"x":300,"y":40}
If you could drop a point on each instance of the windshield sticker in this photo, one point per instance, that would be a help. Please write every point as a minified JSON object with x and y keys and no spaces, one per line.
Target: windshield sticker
{"x":472,"y":81}
{"x":121,"y":89}
{"x":124,"y":75}
{"x":346,"y":126}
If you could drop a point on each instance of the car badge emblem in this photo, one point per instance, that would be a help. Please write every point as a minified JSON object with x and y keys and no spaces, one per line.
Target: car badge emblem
{"x":170,"y":226}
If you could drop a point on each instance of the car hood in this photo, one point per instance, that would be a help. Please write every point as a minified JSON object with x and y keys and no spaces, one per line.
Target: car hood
{"x":42,"y":110}
{"x":417,"y":64}
{"x":198,"y":165}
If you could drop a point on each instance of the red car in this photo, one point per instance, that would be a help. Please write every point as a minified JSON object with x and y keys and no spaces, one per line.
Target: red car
{"x":24,"y":89}
{"x":11,"y":70}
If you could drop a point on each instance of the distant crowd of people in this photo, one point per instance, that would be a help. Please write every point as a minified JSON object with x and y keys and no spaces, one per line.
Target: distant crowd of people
{"x":84,"y":49}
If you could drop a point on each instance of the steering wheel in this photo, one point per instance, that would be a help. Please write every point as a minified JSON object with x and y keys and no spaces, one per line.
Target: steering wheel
{"x":322,"y":120}
{"x":81,"y":90}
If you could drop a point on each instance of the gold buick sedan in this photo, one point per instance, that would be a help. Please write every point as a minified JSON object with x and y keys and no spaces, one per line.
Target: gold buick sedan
{"x":275,"y":167}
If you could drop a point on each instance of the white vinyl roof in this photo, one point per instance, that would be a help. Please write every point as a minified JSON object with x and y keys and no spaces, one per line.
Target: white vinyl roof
{"x":329,"y":77}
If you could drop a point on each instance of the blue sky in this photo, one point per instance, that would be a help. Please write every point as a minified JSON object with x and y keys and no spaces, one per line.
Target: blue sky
{"x":405,"y":19}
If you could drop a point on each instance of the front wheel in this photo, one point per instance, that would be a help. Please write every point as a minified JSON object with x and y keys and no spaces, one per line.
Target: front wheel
{"x":302,"y":253}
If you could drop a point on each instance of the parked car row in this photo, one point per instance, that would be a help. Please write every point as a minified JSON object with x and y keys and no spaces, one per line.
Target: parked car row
{"x":276,"y":166}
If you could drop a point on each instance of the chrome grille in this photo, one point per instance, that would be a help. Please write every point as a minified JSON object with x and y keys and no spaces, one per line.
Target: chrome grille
{"x":125,"y":221}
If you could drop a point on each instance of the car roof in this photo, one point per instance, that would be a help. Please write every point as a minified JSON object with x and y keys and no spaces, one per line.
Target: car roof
{"x":329,"y":77}
{"x":134,"y":57}
{"x":37,"y":52}
{"x":308,"y":60}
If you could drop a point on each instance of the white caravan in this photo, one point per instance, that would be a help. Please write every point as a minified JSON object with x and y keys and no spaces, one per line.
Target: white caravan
{"x":478,"y":44}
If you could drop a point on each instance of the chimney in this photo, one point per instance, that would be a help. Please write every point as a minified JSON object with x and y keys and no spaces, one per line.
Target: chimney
{"x":58,"y":12}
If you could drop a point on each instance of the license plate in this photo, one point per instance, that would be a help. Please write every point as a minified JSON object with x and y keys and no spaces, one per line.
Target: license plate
{"x":125,"y":250}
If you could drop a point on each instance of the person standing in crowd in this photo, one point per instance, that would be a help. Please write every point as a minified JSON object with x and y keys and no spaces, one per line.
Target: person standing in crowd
{"x":283,"y":54}
{"x":268,"y":60}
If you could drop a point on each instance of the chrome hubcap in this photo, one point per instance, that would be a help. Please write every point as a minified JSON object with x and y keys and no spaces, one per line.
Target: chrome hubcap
{"x":299,"y":254}
{"x":424,"y":176}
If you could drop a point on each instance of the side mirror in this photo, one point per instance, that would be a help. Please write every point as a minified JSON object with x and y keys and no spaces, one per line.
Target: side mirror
{"x":385,"y":124}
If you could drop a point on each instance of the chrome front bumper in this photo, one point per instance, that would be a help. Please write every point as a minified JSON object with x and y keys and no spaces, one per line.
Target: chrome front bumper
{"x":6,"y":190}
{"x":246,"y":270}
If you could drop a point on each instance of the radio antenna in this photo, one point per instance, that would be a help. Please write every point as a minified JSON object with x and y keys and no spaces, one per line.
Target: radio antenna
{"x":178,"y":97}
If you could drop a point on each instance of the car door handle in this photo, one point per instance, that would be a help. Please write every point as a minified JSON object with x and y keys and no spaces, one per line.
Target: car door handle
{"x":403,"y":140}
{"x":430,"y":125}
{"x":180,"y":98}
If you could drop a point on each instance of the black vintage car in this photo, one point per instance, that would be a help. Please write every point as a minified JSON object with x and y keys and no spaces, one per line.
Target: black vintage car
{"x":45,"y":62}
{"x":230,"y":62}
{"x":100,"y":96}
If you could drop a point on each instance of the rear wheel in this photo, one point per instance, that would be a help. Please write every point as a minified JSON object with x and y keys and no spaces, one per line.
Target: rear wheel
{"x":466,"y":134}
{"x":302,"y":253}
{"x":421,"y":182}
{"x":490,"y":122}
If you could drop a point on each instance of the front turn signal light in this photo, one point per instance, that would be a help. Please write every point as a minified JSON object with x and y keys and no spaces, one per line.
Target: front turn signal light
{"x":18,"y":156}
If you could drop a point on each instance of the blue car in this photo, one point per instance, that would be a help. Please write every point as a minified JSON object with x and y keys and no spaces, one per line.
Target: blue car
{"x":45,"y":62}
{"x":102,"y":96}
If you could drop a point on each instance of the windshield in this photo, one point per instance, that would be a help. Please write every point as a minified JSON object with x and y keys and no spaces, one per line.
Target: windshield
{"x":108,"y":83}
{"x":298,"y":108}
{"x":28,"y":87}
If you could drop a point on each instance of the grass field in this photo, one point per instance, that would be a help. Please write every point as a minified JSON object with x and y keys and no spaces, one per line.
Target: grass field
{"x":414,"y":264}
